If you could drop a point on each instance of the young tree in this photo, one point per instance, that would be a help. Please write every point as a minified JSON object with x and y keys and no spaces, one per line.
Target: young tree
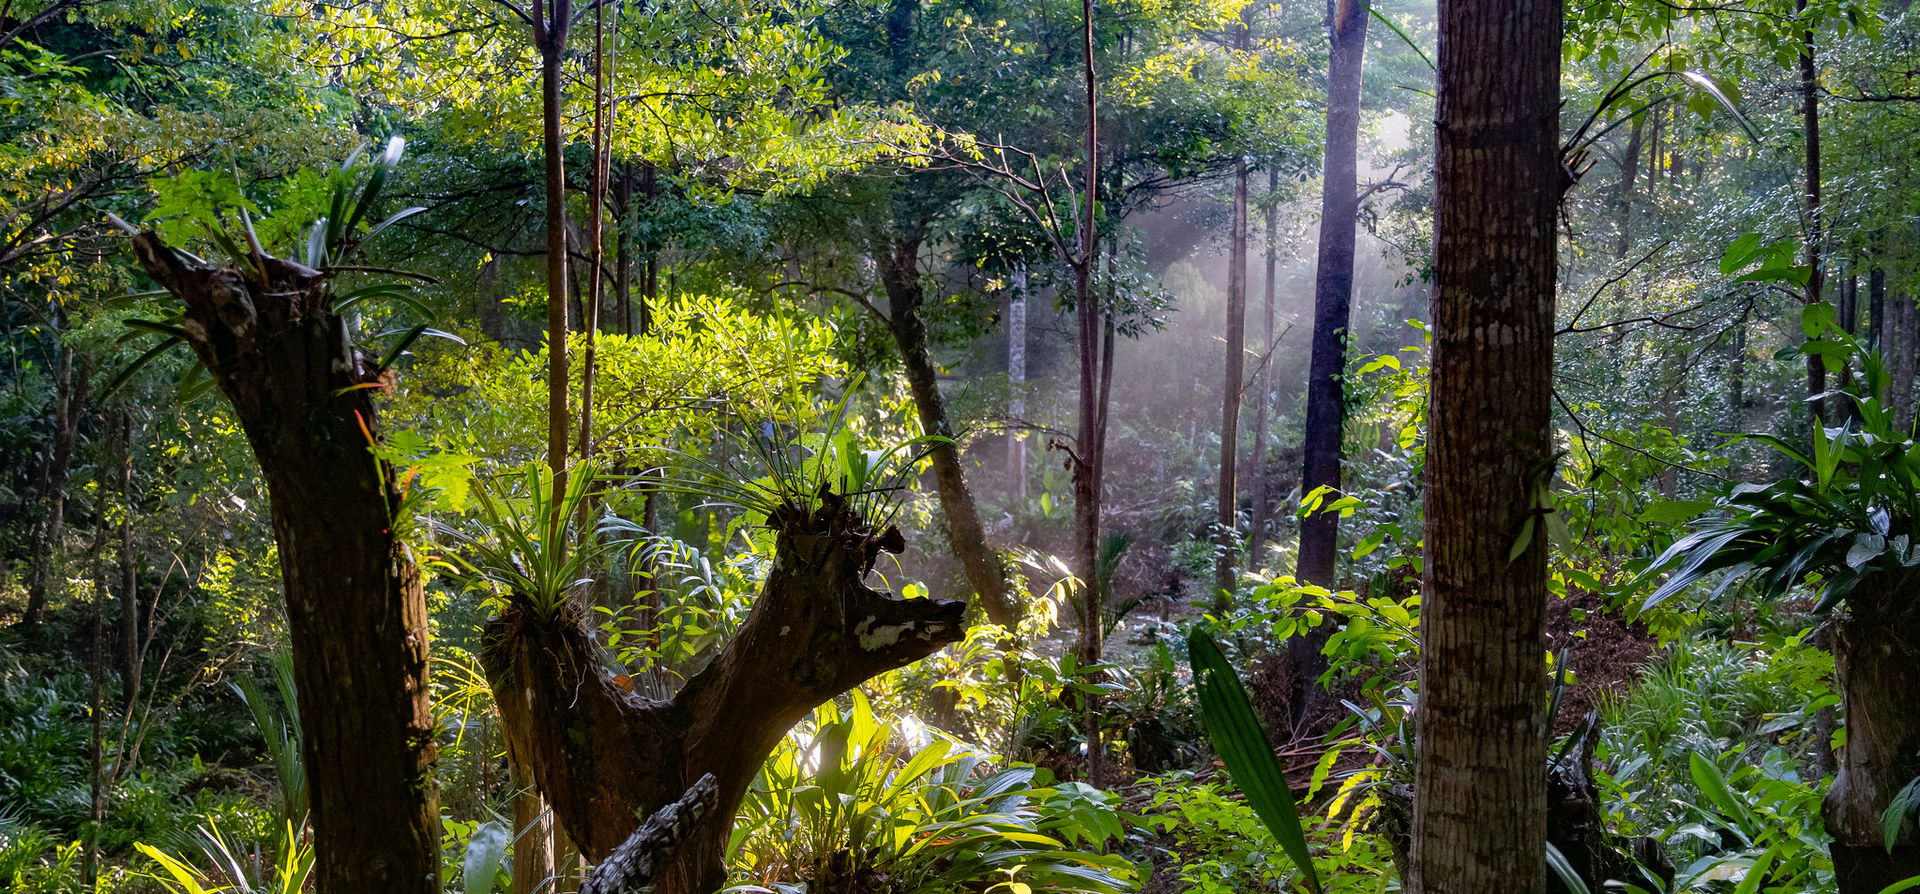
{"x":1263,"y":380}
{"x":1227,"y":501}
{"x":1479,"y":821}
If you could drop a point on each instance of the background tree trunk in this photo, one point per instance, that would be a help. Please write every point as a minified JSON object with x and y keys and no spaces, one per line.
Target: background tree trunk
{"x":355,"y":610}
{"x":129,"y":566}
{"x":1226,"y":547}
{"x":551,"y":20}
{"x":1902,"y":343}
{"x":1810,"y":196}
{"x":68,"y":397}
{"x":1479,"y":820}
{"x":533,"y":832}
{"x":986,"y":571}
{"x":1263,"y":385}
{"x":1333,"y":288}
{"x":1017,"y":383}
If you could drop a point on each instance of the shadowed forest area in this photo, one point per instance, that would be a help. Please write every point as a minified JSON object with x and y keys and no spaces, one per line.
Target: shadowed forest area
{"x":959,"y":446}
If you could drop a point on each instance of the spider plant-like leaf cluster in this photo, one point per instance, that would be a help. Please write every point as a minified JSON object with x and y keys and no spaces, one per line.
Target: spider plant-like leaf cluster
{"x":801,"y":470}
{"x":1591,"y":130}
{"x":332,"y":243}
{"x":278,"y":721}
{"x":848,"y":802}
{"x":1847,"y":517}
{"x":231,"y":863}
{"x":533,"y":547}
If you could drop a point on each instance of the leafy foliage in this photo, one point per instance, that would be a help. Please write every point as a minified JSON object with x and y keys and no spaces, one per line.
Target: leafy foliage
{"x":851,"y":800}
{"x":1849,"y":518}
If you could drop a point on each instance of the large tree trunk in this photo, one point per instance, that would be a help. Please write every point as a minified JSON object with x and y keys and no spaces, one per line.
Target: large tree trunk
{"x":1480,"y":804}
{"x":355,"y":610}
{"x":604,"y":757}
{"x":1333,"y":288}
{"x":1226,"y":545}
{"x":986,"y":571}
{"x":1877,"y":652}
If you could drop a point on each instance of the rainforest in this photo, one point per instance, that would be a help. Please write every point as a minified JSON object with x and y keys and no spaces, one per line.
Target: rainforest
{"x":959,"y":446}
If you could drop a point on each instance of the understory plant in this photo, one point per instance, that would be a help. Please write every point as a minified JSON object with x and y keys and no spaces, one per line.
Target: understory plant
{"x":851,"y":802}
{"x":1845,"y":526}
{"x":234,"y":869}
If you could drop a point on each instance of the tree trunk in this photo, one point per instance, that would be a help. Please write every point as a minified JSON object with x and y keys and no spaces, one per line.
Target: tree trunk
{"x":1480,"y":804}
{"x":1263,"y":386}
{"x":986,"y":571}
{"x":1877,"y":307}
{"x":1877,"y":656}
{"x":129,"y":567}
{"x":1902,"y":344}
{"x":1089,"y":472}
{"x":650,"y":280}
{"x":1017,"y":384}
{"x":67,"y":399}
{"x":623,"y":248}
{"x":1333,"y":289}
{"x":550,"y":39}
{"x":355,"y":610}
{"x":1226,"y":546}
{"x":1087,"y":319}
{"x":1810,"y":195}
{"x":605,"y":758}
{"x":1623,"y":192}
{"x":533,"y":834}
{"x":551,"y":21}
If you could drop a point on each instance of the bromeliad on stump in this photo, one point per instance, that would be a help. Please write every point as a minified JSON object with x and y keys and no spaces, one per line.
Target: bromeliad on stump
{"x":605,"y":757}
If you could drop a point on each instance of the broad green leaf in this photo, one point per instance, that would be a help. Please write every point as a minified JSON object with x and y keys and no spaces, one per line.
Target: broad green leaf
{"x":1243,"y":746}
{"x":484,"y":852}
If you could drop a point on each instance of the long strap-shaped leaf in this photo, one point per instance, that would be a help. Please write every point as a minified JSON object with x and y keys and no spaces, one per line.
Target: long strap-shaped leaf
{"x":1243,"y":746}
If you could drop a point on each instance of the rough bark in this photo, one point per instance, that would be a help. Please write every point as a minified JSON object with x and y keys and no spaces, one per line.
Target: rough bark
{"x":1877,"y":654}
{"x":356,"y":614}
{"x":604,"y":757}
{"x":1226,"y":547}
{"x":1333,"y":288}
{"x":1480,"y":795}
{"x":985,"y":569}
